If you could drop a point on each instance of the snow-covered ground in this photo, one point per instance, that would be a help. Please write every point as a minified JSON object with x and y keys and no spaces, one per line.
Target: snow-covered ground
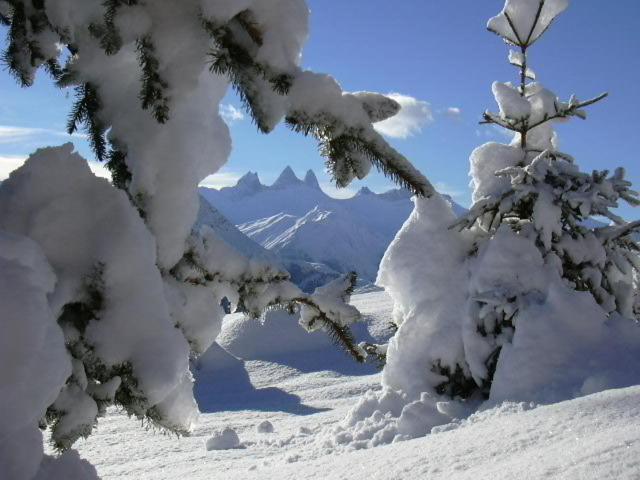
{"x":593,"y":437}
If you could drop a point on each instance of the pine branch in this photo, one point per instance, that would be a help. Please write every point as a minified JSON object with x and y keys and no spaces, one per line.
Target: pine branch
{"x":247,"y":285}
{"x":340,"y":335}
{"x":117,"y":166}
{"x":236,"y":61}
{"x":84,"y":113}
{"x":18,"y":46}
{"x":107,"y":33}
{"x":573,"y":108}
{"x":610,"y":233}
{"x":377,"y":352}
{"x":152,"y":93}
{"x":344,"y":147}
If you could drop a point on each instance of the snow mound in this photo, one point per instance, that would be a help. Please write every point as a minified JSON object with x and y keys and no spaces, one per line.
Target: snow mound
{"x":279,"y":337}
{"x":265,"y":427}
{"x":278,"y":333}
{"x":223,"y":440}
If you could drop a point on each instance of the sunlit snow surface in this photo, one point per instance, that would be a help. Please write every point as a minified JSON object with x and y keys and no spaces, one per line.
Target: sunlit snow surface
{"x":592,"y":437}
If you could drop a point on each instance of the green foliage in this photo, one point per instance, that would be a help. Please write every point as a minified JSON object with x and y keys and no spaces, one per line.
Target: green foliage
{"x":91,"y":375}
{"x":458,"y":384}
{"x":107,"y":33}
{"x":85,"y":114}
{"x":152,"y":94}
{"x":117,"y":166}
{"x":23,"y":54}
{"x":231,"y":58}
{"x":250,"y":287}
{"x":346,"y":147}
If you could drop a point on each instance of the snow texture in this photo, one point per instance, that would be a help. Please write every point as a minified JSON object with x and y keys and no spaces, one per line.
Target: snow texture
{"x":512,"y":105}
{"x":592,"y":437}
{"x":80,"y":221}
{"x":34,"y":364}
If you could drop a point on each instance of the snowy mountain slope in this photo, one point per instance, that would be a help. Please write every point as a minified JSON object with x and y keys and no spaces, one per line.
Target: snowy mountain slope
{"x":313,"y":233}
{"x":333,"y":238}
{"x":210,"y":216}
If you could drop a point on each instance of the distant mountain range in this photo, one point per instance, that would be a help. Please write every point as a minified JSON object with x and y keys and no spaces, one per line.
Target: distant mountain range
{"x":315,"y":236}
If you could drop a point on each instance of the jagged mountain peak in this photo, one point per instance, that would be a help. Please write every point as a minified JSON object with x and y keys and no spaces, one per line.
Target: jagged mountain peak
{"x":249,"y":180}
{"x":286,"y":179}
{"x":365,"y":191}
{"x":311,"y":180}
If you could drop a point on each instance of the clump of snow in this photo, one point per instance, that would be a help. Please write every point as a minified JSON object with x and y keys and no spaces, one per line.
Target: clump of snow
{"x":265,"y":427}
{"x":485,"y":161}
{"x":417,"y":278}
{"x":512,"y":105}
{"x":68,"y":466}
{"x":81,"y":222}
{"x":223,"y":440}
{"x":522,"y":22}
{"x":33,"y":361}
{"x":80,"y":229}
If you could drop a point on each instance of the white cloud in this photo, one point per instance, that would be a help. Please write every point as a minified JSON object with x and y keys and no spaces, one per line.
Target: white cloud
{"x":99,"y":170}
{"x":413,"y":116}
{"x":220,"y":180}
{"x":231,"y":114}
{"x":9,"y":163}
{"x":453,"y":112}
{"x":10,"y":134}
{"x":335,"y":192}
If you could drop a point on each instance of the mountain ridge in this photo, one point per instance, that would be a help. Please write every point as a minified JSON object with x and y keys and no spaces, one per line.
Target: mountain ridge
{"x":315,"y":236}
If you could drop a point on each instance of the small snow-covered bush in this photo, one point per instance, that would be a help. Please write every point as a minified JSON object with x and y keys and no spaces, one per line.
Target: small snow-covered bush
{"x":526,"y":297}
{"x":108,"y":289}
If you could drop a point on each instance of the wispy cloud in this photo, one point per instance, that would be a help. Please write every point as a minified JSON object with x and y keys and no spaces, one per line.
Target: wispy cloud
{"x":450,"y":190}
{"x":12,"y":134}
{"x":413,"y":117}
{"x":220,"y":180}
{"x":231,"y":114}
{"x":453,"y":112}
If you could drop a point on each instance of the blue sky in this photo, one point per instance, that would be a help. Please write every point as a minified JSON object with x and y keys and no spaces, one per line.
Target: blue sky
{"x":434,"y":51}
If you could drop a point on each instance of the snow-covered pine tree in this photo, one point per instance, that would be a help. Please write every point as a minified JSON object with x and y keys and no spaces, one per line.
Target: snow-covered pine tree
{"x":126,"y":290}
{"x":532,"y":192}
{"x":527,"y":297}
